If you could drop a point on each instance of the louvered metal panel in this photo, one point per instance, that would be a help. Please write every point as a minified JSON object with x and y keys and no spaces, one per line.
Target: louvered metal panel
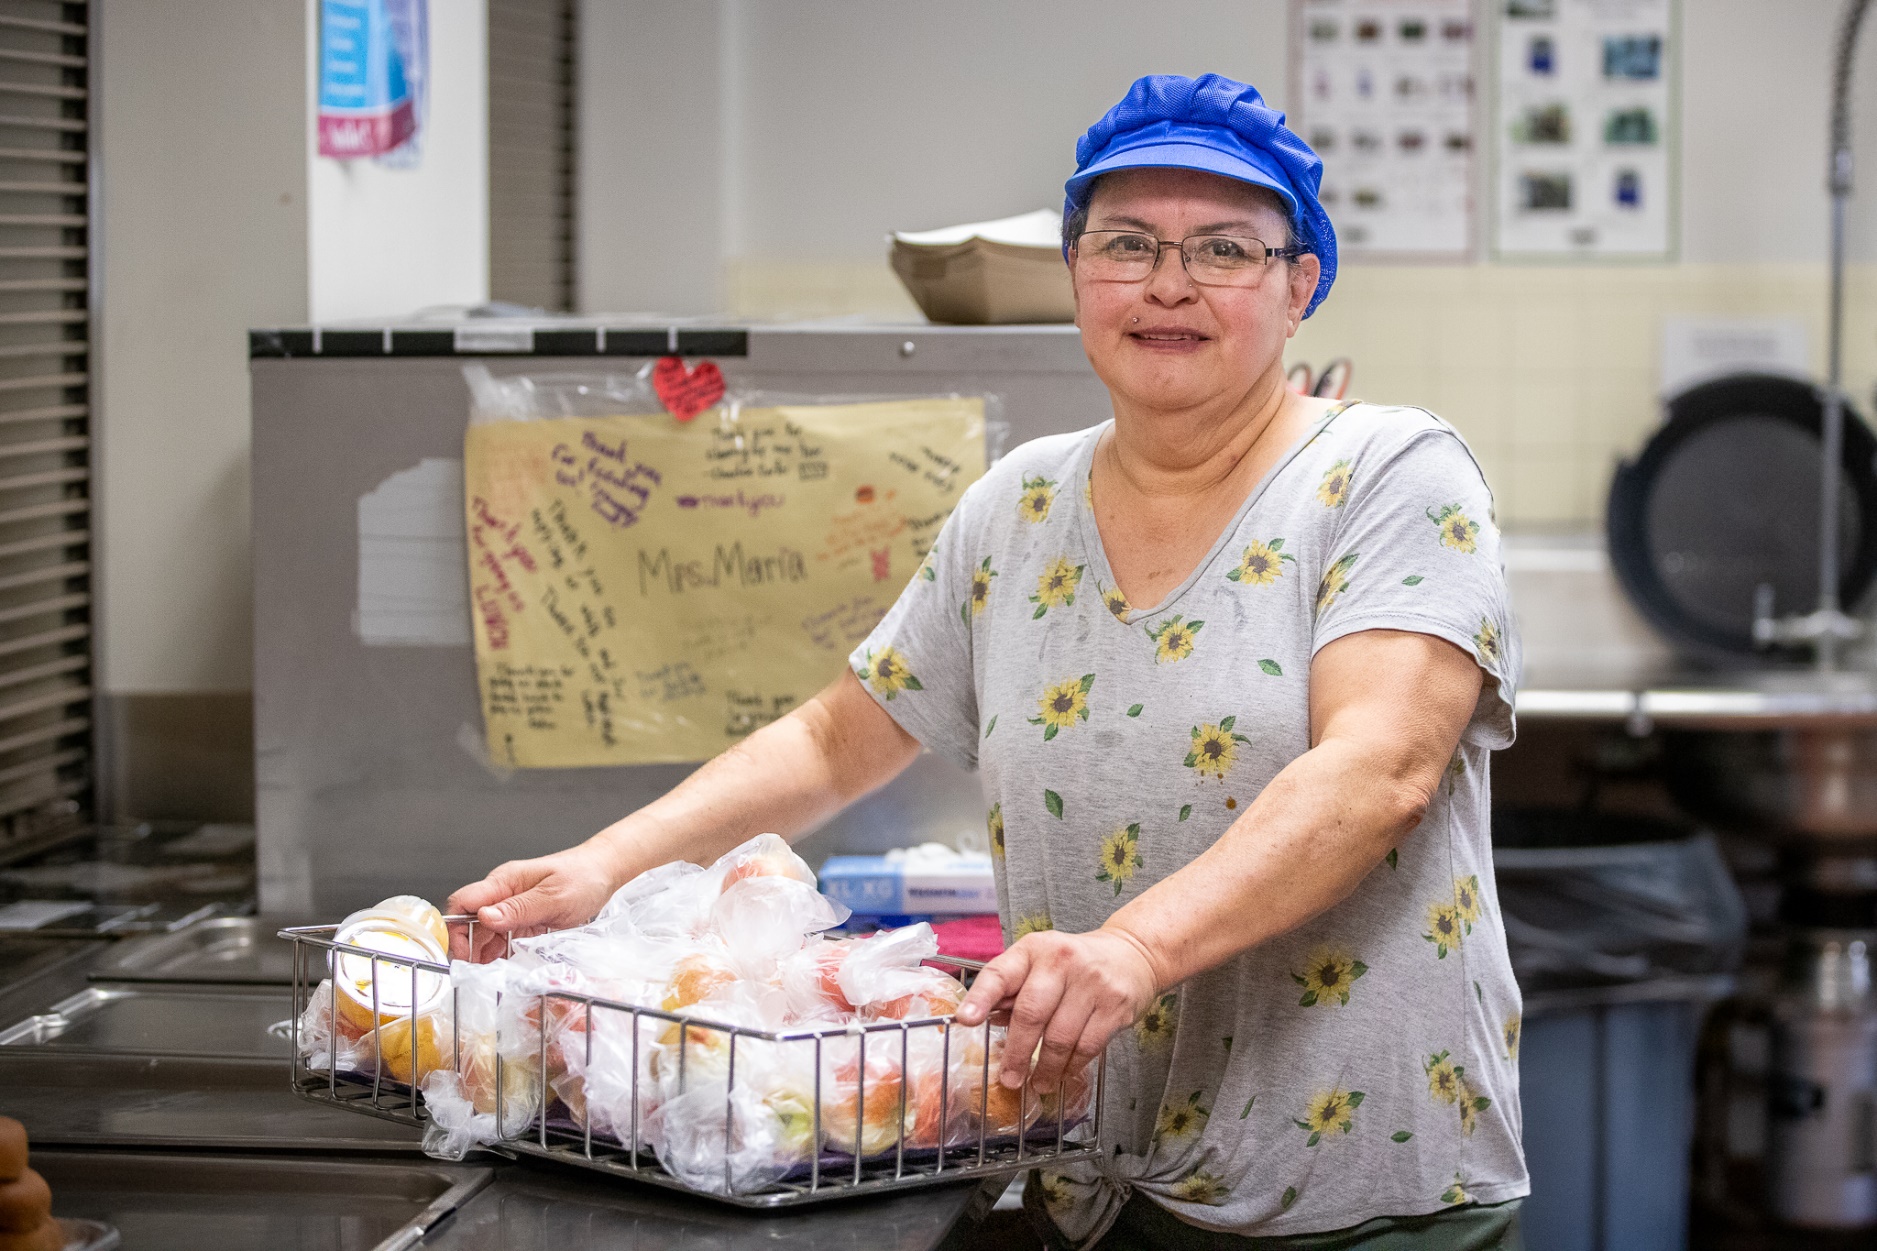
{"x":531,"y":152}
{"x":46,"y":563}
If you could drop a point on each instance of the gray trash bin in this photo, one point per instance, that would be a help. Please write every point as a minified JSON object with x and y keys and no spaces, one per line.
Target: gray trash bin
{"x":1622,"y":932}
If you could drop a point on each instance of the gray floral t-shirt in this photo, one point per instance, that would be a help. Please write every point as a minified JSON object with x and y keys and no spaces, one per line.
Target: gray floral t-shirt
{"x":1363,"y":1065}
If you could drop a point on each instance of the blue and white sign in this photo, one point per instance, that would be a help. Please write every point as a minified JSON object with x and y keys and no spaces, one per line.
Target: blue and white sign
{"x":371,"y":69}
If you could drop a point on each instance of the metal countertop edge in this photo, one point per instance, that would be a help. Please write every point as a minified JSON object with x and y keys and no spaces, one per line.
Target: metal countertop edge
{"x":1717,"y":707}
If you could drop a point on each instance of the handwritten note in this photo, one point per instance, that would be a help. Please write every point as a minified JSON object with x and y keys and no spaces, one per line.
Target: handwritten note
{"x":643,"y":591}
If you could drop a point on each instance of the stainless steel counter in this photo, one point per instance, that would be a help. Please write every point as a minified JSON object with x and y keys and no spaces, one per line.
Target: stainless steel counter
{"x":1694,"y":699}
{"x":1589,"y":656}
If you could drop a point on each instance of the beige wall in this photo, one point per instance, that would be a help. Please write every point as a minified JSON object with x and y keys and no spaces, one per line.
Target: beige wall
{"x":827,"y":132}
{"x":209,"y":227}
{"x":201,"y":118}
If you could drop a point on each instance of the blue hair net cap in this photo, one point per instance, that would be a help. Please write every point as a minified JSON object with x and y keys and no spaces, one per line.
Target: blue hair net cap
{"x":1217,"y":126}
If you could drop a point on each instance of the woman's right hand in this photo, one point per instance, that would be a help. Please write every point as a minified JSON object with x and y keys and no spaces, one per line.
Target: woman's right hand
{"x":524,"y":897}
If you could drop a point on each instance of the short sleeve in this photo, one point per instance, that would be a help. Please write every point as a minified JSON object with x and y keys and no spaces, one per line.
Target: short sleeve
{"x":917,"y":662}
{"x":1417,"y":550}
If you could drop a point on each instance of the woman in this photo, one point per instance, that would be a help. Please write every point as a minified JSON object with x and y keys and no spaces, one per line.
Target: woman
{"x":1231,"y":665}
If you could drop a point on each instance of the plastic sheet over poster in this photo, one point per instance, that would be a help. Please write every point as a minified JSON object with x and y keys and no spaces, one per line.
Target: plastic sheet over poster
{"x":1385,"y":92}
{"x":1585,"y":128}
{"x":646,"y":591}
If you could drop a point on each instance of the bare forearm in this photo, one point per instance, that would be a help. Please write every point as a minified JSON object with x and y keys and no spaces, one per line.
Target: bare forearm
{"x":786,"y":778}
{"x":1301,"y":847}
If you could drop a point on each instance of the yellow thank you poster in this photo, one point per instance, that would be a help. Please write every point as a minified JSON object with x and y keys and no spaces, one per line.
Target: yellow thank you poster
{"x":645,"y":591}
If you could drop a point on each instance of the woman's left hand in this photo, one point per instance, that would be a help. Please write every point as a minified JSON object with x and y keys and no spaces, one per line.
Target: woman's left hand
{"x":1072,"y":992}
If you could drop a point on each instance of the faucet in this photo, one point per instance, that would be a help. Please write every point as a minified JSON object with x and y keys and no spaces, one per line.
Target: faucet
{"x":1828,"y":625}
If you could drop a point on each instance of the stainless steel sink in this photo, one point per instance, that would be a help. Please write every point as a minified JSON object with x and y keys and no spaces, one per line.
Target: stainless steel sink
{"x":189,"y":1202}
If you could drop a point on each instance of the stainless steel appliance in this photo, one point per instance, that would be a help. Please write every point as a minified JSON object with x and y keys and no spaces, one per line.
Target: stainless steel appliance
{"x":1822,"y":1157}
{"x":368,"y":773}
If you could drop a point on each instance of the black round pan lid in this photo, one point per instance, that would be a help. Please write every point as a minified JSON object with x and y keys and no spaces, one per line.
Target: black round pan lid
{"x":1724,"y":498}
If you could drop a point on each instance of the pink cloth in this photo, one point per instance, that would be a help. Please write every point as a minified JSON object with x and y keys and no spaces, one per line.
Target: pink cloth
{"x":971,"y":938}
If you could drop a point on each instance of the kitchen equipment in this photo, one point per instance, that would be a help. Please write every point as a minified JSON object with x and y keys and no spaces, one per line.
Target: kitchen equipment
{"x":221,"y":950}
{"x":1822,"y":1146}
{"x":1708,"y":532}
{"x":1828,"y":626}
{"x":569,"y":1136}
{"x":230,"y":1021}
{"x":183,"y":1201}
{"x":24,"y":958}
{"x":372,"y":777}
{"x":1815,"y":783}
{"x":88,"y":1099}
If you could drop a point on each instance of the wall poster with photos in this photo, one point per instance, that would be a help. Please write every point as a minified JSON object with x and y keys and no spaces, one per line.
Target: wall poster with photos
{"x":1384,"y":92}
{"x":1584,"y":132}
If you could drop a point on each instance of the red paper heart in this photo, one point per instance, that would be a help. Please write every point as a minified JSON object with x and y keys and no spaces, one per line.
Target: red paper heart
{"x":687,"y":392}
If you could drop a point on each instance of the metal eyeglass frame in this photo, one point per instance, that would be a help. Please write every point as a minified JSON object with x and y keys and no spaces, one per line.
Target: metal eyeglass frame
{"x":1292,"y":252}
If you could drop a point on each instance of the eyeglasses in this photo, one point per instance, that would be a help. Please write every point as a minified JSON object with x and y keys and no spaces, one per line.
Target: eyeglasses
{"x":1211,"y":260}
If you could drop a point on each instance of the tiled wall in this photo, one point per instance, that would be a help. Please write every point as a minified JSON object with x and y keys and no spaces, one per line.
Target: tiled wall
{"x":1551,"y":372}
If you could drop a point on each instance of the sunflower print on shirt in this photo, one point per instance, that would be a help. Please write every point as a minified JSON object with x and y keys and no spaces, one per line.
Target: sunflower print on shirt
{"x":1155,"y":1028}
{"x":928,"y":568}
{"x":1509,"y":1035}
{"x":1330,"y":1111}
{"x":1120,"y":856}
{"x":1486,"y":642}
{"x":1173,"y":640}
{"x":1201,"y":1186}
{"x":1466,"y":903}
{"x":1063,"y":704}
{"x":1038,"y":494}
{"x":1333,"y":490}
{"x":1214,"y":748}
{"x":1033,"y":924}
{"x":1471,"y":1103}
{"x":1335,"y":582}
{"x":1327,"y":977}
{"x":1116,"y":603}
{"x":886,"y":671}
{"x":1443,"y":1078}
{"x":1055,"y":586}
{"x":1261,"y":565}
{"x":1180,"y":1121}
{"x":980,"y":591}
{"x":1443,"y":927}
{"x":994,"y":826}
{"x":1456,"y":1194}
{"x":1457,"y":530}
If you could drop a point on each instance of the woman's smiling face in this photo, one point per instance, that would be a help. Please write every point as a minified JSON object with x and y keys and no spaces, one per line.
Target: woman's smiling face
{"x":1168,"y":343}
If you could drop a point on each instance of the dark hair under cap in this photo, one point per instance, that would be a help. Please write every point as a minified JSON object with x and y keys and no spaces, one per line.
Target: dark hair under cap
{"x":1215,"y":125}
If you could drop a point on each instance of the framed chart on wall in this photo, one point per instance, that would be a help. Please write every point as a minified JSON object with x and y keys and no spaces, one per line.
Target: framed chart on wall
{"x":1384,"y":91}
{"x":1585,"y":128}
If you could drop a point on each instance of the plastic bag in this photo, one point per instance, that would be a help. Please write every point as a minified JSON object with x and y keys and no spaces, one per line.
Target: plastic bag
{"x":810,"y":978}
{"x":1580,"y":916}
{"x":763,"y":919}
{"x":866,"y":1112}
{"x":725,"y":1138}
{"x":885,"y":976}
{"x":498,"y":1050}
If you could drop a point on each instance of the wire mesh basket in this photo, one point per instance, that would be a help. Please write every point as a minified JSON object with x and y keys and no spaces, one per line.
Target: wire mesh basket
{"x":922,"y":1130}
